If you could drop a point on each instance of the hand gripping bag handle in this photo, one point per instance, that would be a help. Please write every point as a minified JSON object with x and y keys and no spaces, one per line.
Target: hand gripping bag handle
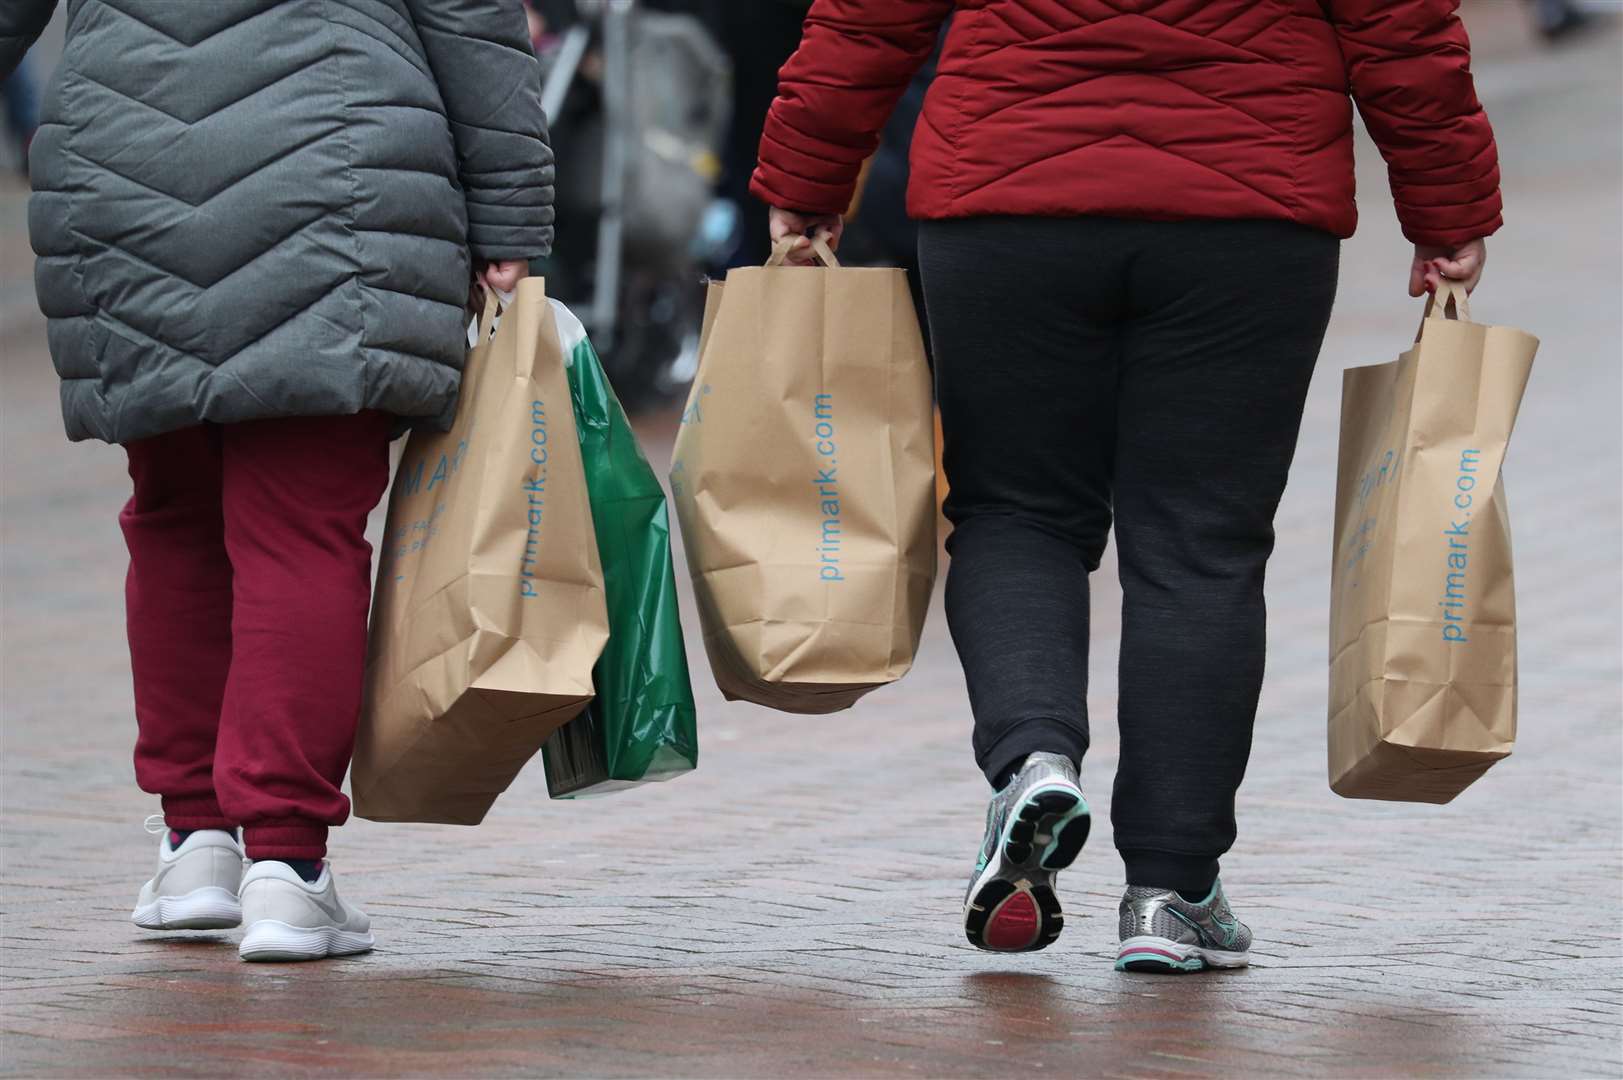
{"x":825,"y":254}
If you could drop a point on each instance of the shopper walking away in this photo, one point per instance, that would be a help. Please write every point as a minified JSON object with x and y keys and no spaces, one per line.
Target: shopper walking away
{"x":19,"y":100}
{"x":758,"y":36}
{"x":256,"y":228}
{"x":1129,"y":255}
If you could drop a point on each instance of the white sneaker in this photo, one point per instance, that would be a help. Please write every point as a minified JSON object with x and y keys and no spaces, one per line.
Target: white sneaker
{"x":196,"y":886}
{"x":292,"y":919}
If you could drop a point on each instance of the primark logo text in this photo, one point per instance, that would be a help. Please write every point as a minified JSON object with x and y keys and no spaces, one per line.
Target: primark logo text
{"x":1456,"y":599}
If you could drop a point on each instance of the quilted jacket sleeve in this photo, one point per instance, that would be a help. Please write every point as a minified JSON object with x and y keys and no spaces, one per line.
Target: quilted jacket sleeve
{"x":479,"y":51}
{"x":855,"y":59}
{"x":1409,"y":66}
{"x":21,"y":23}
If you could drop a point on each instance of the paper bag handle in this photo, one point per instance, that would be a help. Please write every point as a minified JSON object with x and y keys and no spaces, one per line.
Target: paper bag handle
{"x":1449,"y":297}
{"x":485,"y":323}
{"x":824,"y":253}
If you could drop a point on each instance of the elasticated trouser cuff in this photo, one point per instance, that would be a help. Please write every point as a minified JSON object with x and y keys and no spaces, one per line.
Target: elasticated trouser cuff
{"x":294,"y":838}
{"x":1040,"y":735}
{"x":190,"y":814}
{"x":1192,"y":875}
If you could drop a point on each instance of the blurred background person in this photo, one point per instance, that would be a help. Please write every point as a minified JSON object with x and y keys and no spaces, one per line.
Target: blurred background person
{"x":637,"y":97}
{"x":19,"y":93}
{"x":1555,"y":19}
{"x":759,"y":36}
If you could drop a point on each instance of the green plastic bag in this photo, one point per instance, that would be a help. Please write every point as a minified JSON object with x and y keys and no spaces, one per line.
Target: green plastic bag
{"x":642,"y":725}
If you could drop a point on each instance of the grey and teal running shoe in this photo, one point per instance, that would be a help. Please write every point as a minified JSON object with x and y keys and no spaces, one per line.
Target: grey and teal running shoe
{"x":1035,"y":826}
{"x":1163,"y":932}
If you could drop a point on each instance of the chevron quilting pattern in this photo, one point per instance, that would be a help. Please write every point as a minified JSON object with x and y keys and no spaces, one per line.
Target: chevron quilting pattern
{"x":1162,"y":109}
{"x":253,"y":208}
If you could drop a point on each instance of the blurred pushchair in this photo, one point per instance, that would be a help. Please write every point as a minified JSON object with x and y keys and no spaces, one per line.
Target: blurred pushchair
{"x":638,"y":105}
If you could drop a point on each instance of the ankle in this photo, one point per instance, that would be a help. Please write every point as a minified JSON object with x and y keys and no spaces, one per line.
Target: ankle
{"x":307,"y":869}
{"x":178,"y":837}
{"x":1008,"y":773}
{"x":1190,"y":876}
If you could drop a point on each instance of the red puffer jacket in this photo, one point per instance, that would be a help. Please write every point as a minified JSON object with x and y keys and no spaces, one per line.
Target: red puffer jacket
{"x":1160,"y":109}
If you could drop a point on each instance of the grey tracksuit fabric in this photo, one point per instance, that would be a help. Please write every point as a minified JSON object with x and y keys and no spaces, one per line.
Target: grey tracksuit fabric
{"x":247,"y":209}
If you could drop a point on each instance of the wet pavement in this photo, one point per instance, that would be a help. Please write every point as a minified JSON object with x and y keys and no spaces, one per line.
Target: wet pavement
{"x":792,"y":908}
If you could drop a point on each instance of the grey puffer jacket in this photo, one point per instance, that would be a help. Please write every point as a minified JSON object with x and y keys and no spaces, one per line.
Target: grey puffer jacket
{"x":258,"y":208}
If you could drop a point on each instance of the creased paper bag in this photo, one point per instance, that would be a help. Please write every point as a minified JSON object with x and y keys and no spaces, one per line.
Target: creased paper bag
{"x":1423,"y":609}
{"x":804,"y":483}
{"x":489,"y":611}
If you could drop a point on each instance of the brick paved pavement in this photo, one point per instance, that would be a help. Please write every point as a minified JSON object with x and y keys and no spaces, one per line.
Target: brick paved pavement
{"x":791,"y":909}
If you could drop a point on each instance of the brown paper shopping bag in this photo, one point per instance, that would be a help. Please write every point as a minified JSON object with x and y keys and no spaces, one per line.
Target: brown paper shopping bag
{"x":1423,"y":611}
{"x":804,"y":481}
{"x":489,"y":612}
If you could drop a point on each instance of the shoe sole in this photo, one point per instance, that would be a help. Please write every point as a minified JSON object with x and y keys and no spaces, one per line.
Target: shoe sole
{"x":1057,"y":813}
{"x":268,"y":941}
{"x":1161,"y":956}
{"x":208,"y":908}
{"x":1014,"y":907}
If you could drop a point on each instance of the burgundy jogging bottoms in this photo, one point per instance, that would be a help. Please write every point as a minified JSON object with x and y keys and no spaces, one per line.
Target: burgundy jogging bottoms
{"x":247,"y":597}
